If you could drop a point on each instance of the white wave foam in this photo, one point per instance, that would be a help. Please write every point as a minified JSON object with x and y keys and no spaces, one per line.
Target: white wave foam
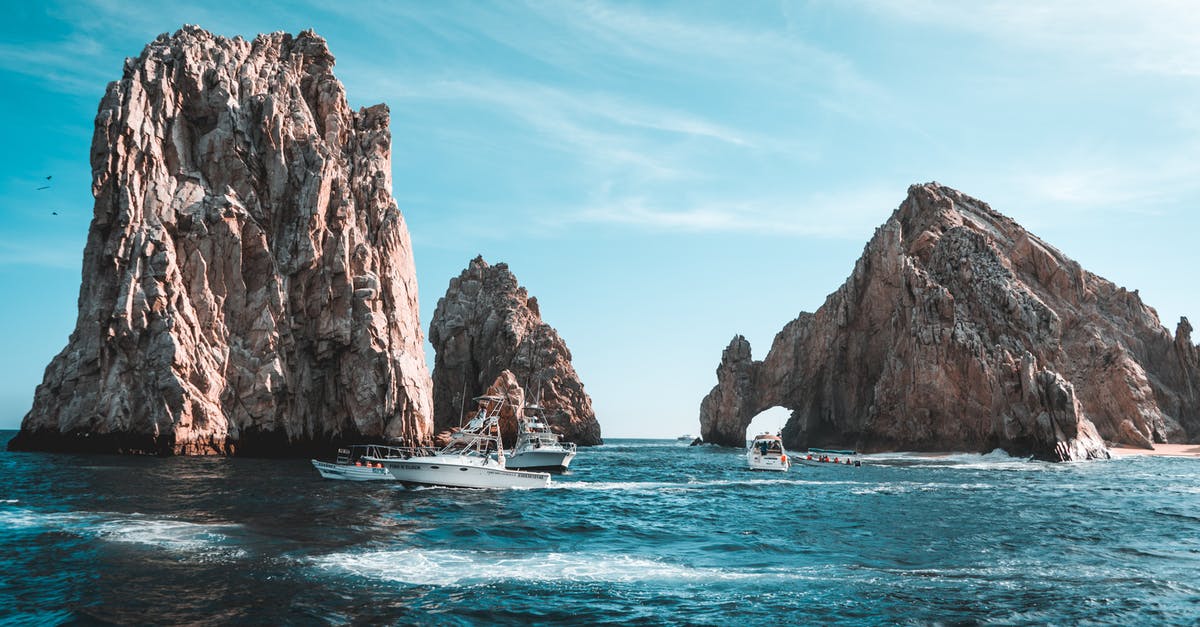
{"x":171,"y":535}
{"x":692,"y":484}
{"x":906,"y":487}
{"x":997,"y":459}
{"x":20,"y":518}
{"x":448,"y":567}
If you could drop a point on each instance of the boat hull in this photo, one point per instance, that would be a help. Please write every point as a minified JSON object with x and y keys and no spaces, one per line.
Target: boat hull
{"x":540,"y":459}
{"x":346,"y":472}
{"x":768,"y":463}
{"x":460,"y":474}
{"x":817,"y":462}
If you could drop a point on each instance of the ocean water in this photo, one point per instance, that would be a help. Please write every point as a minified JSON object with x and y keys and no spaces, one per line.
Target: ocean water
{"x":639,"y":532}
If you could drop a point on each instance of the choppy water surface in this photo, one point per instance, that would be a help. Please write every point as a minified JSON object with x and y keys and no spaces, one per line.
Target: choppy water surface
{"x":639,"y":532}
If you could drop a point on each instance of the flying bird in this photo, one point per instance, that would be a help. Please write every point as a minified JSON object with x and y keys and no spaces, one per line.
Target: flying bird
{"x":53,"y":213}
{"x":43,"y":187}
{"x":49,"y":177}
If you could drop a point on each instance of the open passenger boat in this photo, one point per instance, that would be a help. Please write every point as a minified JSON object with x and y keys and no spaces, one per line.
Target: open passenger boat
{"x":825,"y":456}
{"x":352,"y":463}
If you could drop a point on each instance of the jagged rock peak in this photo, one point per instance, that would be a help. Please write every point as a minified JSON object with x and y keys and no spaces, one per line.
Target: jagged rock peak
{"x":960,"y":330}
{"x":248,"y":281}
{"x":486,"y":324}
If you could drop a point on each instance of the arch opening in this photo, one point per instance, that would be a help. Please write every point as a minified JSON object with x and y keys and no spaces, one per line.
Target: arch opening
{"x":767,"y":421}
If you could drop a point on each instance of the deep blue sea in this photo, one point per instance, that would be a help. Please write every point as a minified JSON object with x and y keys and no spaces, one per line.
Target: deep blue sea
{"x":639,"y":532}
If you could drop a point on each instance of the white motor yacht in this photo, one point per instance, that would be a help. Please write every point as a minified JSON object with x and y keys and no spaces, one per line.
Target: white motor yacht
{"x":766,"y":453}
{"x":474,"y":458}
{"x":538,"y":447}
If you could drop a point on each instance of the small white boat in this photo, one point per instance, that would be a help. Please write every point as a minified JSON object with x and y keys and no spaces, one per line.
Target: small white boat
{"x":538,"y":447}
{"x":686,"y":438}
{"x":474,"y":458}
{"x":352,"y":464}
{"x":766,"y":453}
{"x":825,"y":457}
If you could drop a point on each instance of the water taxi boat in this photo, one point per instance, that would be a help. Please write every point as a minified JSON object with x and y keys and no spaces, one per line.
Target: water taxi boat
{"x":825,"y":456}
{"x":538,"y":447}
{"x":352,"y":465}
{"x":766,"y":453}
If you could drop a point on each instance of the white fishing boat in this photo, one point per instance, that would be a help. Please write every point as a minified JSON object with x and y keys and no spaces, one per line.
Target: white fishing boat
{"x":474,"y":458}
{"x":766,"y":453}
{"x":538,"y":447}
{"x":352,"y":463}
{"x":826,"y":456}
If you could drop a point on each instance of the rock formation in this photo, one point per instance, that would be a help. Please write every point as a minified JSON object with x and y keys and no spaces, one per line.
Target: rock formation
{"x":959,"y":330}
{"x":487,"y":323}
{"x":511,"y":409}
{"x":248,"y":282}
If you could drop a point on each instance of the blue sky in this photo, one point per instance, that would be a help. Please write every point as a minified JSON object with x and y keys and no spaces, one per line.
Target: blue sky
{"x":665,"y":175}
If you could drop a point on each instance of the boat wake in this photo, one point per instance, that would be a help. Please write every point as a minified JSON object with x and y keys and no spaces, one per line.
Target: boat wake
{"x":658,"y":486}
{"x":995,"y":460}
{"x":440,"y":567}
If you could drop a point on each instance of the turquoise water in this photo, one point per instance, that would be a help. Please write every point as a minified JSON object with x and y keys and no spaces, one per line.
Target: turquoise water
{"x":640,"y":532}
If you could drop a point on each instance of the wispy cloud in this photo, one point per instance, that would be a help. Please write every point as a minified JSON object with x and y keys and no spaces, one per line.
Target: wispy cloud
{"x":594,"y":126}
{"x":66,"y":66}
{"x":63,"y":255}
{"x":849,"y":214}
{"x":1145,"y":187}
{"x":1154,"y":36}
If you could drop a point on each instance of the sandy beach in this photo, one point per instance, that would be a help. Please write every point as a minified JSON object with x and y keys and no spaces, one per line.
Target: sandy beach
{"x":1160,"y":450}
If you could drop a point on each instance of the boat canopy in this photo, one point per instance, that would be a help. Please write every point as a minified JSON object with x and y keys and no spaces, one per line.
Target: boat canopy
{"x":766,"y":436}
{"x":829,"y":451}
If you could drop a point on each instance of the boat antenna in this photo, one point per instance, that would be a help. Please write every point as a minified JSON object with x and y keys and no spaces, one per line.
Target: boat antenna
{"x":462,"y":403}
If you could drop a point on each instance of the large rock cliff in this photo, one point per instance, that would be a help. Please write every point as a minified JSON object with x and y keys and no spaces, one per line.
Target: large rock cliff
{"x":248,"y":282}
{"x":959,"y":330}
{"x":486,"y":324}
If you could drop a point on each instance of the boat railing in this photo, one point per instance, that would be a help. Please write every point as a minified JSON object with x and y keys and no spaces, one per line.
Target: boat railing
{"x":382,"y":452}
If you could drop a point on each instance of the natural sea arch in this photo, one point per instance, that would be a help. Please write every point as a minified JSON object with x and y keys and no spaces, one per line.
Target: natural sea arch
{"x":768,"y":421}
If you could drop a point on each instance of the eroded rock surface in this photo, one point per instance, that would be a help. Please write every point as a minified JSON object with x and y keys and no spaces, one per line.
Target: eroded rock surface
{"x":486,"y":324}
{"x":959,"y":330}
{"x":248,"y":281}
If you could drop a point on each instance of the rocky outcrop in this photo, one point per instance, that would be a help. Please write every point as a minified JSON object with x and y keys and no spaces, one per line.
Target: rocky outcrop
{"x":959,"y":330}
{"x":511,"y":409}
{"x":486,"y":324}
{"x":248,"y":282}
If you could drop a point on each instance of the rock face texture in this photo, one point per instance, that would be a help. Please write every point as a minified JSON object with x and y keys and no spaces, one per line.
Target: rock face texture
{"x":486,"y":324}
{"x":248,"y":282}
{"x":959,"y":330}
{"x":512,"y":410}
